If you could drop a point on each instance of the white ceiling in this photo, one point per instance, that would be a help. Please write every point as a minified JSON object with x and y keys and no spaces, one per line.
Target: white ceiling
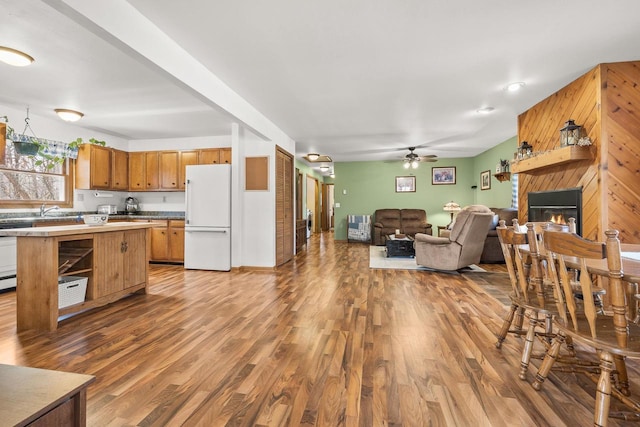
{"x":355,"y":80}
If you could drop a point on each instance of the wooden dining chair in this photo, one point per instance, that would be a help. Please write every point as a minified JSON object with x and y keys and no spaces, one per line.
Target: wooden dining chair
{"x":528,"y":296}
{"x":613,"y":337}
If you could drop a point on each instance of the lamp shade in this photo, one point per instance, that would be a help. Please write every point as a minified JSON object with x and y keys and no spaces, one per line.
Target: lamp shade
{"x":451,"y":207}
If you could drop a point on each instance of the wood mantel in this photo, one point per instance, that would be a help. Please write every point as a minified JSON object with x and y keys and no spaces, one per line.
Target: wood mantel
{"x":552,"y":158}
{"x":113,"y":257}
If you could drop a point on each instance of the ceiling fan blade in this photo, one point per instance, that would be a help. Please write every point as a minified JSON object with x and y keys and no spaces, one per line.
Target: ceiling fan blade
{"x":429,"y":156}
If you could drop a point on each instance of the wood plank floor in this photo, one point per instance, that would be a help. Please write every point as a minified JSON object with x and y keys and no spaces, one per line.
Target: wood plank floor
{"x":322,"y":341}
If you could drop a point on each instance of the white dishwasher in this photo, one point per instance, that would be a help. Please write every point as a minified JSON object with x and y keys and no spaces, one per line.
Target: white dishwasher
{"x":8,"y":256}
{"x":7,"y":262}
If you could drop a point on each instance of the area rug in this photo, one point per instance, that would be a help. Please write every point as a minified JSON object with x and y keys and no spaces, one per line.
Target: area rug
{"x":378,"y":259}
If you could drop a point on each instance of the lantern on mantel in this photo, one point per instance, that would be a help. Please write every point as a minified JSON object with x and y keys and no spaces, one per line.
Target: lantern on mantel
{"x":571,"y":133}
{"x":524,"y":150}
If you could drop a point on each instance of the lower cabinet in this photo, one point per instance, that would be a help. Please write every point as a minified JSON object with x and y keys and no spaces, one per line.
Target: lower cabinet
{"x":123,"y":253}
{"x":167,"y":240}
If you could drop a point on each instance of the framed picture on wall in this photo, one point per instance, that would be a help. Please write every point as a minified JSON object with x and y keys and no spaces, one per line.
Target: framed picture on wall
{"x":485,"y":180}
{"x":440,"y":176}
{"x":405,"y":184}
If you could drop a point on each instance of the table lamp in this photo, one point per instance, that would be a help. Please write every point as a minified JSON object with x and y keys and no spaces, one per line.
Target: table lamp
{"x":452,"y":207}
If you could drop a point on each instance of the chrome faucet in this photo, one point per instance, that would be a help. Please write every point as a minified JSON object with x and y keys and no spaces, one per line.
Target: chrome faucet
{"x":44,"y":209}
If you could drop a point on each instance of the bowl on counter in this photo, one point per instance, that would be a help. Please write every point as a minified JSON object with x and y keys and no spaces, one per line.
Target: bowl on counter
{"x":95,"y":219}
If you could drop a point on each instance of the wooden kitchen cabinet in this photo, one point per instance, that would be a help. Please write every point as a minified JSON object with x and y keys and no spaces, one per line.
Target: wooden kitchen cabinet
{"x":137,"y":171}
{"x":209,"y":156}
{"x":216,"y":156}
{"x":93,"y":167}
{"x":152,"y":170}
{"x":119,"y":170}
{"x":186,"y":158}
{"x":176,"y":241}
{"x":123,"y":254}
{"x":169,"y":175}
{"x":167,"y":240}
{"x":225,"y":156}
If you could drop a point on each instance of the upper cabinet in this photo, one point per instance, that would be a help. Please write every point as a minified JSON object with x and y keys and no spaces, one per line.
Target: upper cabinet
{"x":119,"y":170}
{"x":209,"y":156}
{"x":137,"y":172}
{"x":169,"y":170}
{"x":152,"y":167}
{"x":186,"y":158}
{"x":102,"y":168}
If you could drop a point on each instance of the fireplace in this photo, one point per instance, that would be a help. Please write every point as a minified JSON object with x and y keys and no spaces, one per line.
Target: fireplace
{"x":556,"y":206}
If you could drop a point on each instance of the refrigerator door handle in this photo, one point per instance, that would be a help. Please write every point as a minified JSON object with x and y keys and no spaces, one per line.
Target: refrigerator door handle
{"x":204,"y":229}
{"x":187,"y":189}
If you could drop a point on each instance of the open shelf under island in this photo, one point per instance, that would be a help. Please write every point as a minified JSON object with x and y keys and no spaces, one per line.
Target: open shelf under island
{"x":113,"y":257}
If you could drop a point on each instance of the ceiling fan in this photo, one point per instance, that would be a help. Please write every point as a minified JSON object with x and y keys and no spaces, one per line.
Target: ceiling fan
{"x":412,"y":160}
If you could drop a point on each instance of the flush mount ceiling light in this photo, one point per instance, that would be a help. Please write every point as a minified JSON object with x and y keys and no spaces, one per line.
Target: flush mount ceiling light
{"x":15,"y":57}
{"x":324,"y":168}
{"x":514,"y":87}
{"x":68,"y":115}
{"x":313,"y":156}
{"x":485,"y":110}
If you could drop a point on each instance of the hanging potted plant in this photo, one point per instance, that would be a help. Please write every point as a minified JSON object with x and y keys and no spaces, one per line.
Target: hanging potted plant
{"x":23,"y":144}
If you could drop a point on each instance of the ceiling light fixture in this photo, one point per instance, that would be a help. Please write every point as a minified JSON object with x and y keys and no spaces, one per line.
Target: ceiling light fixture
{"x":14,"y":57}
{"x":313,"y":156}
{"x":68,"y":115}
{"x":514,"y":87}
{"x":324,"y":168}
{"x":485,"y":110}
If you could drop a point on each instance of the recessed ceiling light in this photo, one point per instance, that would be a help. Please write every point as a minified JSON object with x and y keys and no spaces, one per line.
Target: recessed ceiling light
{"x":14,"y":57}
{"x":485,"y":110}
{"x":514,"y":87}
{"x":68,"y":115}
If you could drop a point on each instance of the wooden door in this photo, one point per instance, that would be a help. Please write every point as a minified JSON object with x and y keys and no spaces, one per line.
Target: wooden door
{"x":284,"y":206}
{"x":186,"y":158}
{"x":137,"y":174}
{"x":135,"y":258}
{"x":152,"y":170}
{"x":119,"y":170}
{"x":169,"y":170}
{"x":100,"y":167}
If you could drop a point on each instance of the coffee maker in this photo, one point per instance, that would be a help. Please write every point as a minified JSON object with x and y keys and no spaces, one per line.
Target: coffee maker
{"x":131,"y":205}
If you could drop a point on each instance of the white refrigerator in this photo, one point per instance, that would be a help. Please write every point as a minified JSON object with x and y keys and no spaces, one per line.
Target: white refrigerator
{"x":207,"y":231}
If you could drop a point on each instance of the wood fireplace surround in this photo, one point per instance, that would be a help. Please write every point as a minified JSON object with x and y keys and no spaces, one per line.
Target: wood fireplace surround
{"x":606,"y":101}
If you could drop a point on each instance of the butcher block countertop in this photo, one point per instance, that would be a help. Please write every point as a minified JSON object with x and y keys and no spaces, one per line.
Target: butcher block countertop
{"x":66,"y":230}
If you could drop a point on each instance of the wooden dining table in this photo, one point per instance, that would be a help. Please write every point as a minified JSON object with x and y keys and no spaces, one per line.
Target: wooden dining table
{"x":630,"y":269}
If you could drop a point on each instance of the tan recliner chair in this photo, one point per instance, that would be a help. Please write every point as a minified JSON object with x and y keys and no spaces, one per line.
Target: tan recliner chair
{"x":462,"y":247}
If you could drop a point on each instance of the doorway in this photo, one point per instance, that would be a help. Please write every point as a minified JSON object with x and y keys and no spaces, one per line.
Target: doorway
{"x":327,"y":207}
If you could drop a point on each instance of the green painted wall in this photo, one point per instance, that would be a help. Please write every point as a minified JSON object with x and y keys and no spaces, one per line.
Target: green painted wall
{"x":500,"y":193}
{"x":363,"y":187}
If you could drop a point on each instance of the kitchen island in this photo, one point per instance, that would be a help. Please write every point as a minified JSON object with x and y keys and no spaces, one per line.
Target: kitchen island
{"x":114,"y":259}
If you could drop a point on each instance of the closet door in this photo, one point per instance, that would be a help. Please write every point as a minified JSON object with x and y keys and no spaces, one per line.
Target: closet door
{"x":284,"y":206}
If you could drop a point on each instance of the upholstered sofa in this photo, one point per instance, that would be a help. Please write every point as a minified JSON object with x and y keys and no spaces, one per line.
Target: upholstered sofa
{"x":408,"y":221}
{"x":492,"y":252}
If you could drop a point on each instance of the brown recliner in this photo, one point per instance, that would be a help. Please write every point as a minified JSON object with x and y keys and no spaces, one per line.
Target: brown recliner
{"x":408,"y":221}
{"x":463,"y":245}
